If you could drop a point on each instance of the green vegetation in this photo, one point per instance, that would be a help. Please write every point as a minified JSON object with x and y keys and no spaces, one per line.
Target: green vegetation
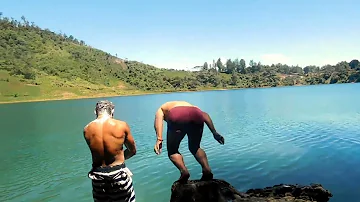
{"x":38,"y":64}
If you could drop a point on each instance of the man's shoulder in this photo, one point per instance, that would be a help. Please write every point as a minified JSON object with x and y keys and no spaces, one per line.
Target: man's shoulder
{"x":87,"y":125}
{"x":119,"y":125}
{"x":118,"y":122}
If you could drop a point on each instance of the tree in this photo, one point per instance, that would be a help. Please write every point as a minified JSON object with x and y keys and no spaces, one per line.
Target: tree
{"x":29,"y":52}
{"x":230,"y":66}
{"x":242,"y":66}
{"x":253,"y":66}
{"x":311,"y":69}
{"x":354,"y":64}
{"x":219,"y":65}
{"x":205,"y":66}
{"x":234,"y":78}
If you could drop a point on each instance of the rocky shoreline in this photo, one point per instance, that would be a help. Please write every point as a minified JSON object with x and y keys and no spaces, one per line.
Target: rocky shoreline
{"x":221,"y":191}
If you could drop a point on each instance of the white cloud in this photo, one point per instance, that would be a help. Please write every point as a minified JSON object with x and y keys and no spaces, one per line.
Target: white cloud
{"x":274,"y":58}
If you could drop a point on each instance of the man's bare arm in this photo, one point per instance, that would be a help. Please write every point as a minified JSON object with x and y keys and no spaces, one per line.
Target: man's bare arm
{"x":84,"y":135}
{"x":158,"y":123}
{"x":129,"y":143}
{"x":209,"y":122}
{"x":211,"y":126}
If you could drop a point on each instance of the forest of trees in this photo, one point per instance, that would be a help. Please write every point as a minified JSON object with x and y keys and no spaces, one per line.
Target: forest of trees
{"x":29,"y":50}
{"x":282,"y":74}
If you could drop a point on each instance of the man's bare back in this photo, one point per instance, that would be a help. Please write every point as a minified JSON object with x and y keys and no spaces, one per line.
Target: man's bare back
{"x":167,"y":106}
{"x":106,"y":137}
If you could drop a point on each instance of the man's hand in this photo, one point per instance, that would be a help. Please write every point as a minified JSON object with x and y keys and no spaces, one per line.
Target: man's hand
{"x":219,"y":138}
{"x":158,"y":147}
{"x":158,"y":126}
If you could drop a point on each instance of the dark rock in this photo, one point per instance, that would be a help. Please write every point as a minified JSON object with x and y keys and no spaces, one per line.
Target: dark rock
{"x":221,"y":191}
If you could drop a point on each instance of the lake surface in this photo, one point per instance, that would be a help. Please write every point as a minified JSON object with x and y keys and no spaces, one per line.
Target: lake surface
{"x":275,"y":135}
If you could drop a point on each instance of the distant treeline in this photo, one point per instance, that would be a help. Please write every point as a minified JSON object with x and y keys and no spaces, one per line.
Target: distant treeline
{"x":29,"y":50}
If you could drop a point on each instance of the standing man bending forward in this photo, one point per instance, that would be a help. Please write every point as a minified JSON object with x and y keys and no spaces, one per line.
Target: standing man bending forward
{"x":106,"y":137}
{"x":184,"y":118}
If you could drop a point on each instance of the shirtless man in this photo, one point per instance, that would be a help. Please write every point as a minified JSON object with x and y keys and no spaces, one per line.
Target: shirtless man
{"x":184,"y":118}
{"x":106,"y":136}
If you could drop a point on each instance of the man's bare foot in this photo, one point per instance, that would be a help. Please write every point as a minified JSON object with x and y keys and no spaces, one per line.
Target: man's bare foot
{"x":184,"y":177}
{"x":207,"y":176}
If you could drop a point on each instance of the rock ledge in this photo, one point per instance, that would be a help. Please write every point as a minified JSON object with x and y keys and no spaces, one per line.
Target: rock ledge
{"x":217,"y":190}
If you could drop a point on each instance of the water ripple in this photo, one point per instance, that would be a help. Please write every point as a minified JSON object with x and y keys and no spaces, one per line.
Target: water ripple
{"x":280,"y":135}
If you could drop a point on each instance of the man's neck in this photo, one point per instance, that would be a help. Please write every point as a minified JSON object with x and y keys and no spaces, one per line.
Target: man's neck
{"x":103,"y":117}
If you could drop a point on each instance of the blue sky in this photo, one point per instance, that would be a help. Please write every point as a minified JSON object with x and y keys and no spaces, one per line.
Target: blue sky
{"x":181,"y":34}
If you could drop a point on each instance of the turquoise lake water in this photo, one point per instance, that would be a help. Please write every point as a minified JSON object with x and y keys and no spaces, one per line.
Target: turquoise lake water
{"x":274,"y":135}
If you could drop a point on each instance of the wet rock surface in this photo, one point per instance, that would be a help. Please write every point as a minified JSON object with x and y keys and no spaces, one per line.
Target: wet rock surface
{"x":217,"y":190}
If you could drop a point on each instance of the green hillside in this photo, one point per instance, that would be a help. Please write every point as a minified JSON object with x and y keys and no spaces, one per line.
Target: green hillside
{"x":38,"y":64}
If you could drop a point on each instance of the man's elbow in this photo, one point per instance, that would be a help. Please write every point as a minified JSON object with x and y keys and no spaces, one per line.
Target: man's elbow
{"x":205,"y":115}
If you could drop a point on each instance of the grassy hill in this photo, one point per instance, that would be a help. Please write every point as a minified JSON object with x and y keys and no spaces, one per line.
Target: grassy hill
{"x":38,"y":64}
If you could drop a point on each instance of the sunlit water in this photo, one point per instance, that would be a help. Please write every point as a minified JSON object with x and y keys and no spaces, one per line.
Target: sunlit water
{"x":276,"y":135}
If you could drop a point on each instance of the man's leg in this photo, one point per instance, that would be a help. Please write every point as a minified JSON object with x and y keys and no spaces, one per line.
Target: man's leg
{"x":98,"y":193}
{"x":173,"y":140}
{"x":194,"y":136}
